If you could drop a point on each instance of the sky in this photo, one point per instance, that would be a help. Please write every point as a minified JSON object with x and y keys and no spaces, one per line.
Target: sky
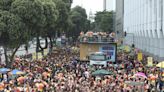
{"x":93,"y":5}
{"x":89,"y":5}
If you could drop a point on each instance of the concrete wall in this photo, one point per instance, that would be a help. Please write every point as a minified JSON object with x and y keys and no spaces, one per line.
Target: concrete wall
{"x":144,"y":18}
{"x":109,"y":5}
{"x":119,"y":18}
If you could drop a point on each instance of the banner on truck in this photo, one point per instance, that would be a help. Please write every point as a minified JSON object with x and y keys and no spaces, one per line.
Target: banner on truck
{"x":110,"y":50}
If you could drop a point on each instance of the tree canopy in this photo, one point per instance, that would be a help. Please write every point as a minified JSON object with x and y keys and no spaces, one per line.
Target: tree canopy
{"x":104,"y":21}
{"x":79,"y":19}
{"x":22,"y":20}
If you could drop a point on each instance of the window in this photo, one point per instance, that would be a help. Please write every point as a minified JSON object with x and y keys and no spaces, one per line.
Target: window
{"x":98,"y":57}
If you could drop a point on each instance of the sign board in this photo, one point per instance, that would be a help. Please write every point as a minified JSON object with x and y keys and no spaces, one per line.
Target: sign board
{"x":139,"y":56}
{"x":110,"y":50}
{"x":34,"y":55}
{"x":45,"y":51}
{"x":150,"y":61}
{"x":39,"y":55}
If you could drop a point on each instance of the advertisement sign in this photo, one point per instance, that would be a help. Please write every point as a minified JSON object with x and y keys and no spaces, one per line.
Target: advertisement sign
{"x":150,"y":61}
{"x":139,"y":56}
{"x":110,"y":50}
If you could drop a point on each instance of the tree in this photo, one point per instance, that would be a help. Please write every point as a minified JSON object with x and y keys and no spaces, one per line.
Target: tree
{"x":32,"y":14}
{"x":63,"y":21}
{"x":104,"y":21}
{"x":23,"y":20}
{"x":13,"y":33}
{"x":51,"y":14}
{"x":79,"y":20}
{"x":6,"y":4}
{"x":92,"y":26}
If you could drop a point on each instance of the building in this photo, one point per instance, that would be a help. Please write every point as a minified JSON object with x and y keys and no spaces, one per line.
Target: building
{"x":109,"y":5}
{"x":119,"y":18}
{"x":144,"y":19}
{"x":91,"y":16}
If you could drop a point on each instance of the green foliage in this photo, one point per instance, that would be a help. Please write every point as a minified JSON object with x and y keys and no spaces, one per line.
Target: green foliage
{"x":79,"y":20}
{"x":51,"y":15}
{"x":5,"y":4}
{"x":63,"y":6}
{"x":104,"y":21}
{"x":93,"y":26}
{"x":13,"y":33}
{"x":13,"y":30}
{"x":31,"y":12}
{"x":22,"y":20}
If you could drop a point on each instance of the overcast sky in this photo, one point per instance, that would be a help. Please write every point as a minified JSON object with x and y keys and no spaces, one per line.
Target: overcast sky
{"x":89,"y":5}
{"x":93,"y":5}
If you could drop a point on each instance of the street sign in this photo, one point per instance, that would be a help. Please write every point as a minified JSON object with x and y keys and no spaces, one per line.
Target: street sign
{"x":150,"y":61}
{"x":139,"y":56}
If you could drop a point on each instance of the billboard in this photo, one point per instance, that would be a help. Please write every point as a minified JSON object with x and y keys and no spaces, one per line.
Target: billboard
{"x":110,"y":50}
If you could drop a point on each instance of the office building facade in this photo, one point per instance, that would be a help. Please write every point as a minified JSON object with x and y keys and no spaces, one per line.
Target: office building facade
{"x":108,"y":5}
{"x":144,"y":19}
{"x":119,"y":19}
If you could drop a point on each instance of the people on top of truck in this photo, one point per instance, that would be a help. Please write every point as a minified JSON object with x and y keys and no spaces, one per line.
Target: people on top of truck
{"x":96,"y":37}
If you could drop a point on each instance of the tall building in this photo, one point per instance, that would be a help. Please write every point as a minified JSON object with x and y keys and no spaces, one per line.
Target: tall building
{"x":119,"y":19}
{"x":91,"y":16}
{"x":144,"y":19}
{"x":109,"y":5}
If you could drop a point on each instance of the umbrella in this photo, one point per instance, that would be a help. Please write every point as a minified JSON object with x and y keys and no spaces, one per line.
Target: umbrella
{"x":140,"y":74}
{"x":16,"y":72}
{"x":133,"y":83}
{"x":102,"y":72}
{"x":4,"y":70}
{"x":160,"y":64}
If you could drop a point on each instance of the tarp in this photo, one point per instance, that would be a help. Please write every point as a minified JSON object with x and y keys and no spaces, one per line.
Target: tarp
{"x":102,"y":72}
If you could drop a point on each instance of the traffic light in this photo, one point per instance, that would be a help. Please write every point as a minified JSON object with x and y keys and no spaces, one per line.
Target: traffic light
{"x":125,"y":34}
{"x":133,"y":46}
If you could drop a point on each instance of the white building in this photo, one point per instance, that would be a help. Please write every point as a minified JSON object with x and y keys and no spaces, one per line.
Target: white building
{"x":109,"y":5}
{"x":91,"y":16}
{"x":144,"y":19}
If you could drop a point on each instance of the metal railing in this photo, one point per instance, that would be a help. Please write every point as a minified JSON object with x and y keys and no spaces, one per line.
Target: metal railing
{"x":98,"y":40}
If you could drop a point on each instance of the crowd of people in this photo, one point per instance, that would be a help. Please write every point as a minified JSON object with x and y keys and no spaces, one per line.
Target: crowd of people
{"x":62,"y":72}
{"x":96,"y":37}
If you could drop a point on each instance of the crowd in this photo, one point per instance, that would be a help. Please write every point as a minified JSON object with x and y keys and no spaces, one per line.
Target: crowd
{"x":96,"y":37}
{"x":62,"y":72}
